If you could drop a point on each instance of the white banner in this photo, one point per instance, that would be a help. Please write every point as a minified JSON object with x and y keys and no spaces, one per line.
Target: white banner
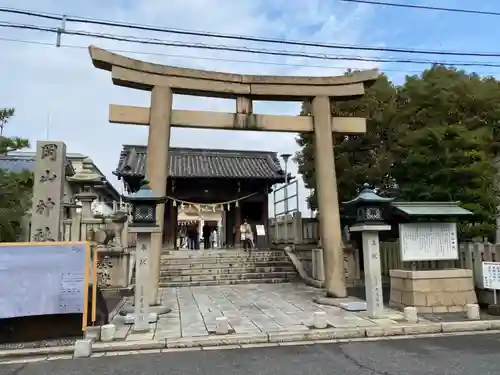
{"x":40,"y":279}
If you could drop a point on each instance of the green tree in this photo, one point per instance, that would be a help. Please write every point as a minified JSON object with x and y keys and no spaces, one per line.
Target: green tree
{"x":358,"y":158}
{"x":15,"y":188}
{"x":449,"y":163}
{"x":440,"y":126}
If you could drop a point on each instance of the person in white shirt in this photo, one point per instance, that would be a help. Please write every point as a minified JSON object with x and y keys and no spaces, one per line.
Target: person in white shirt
{"x":246,"y":235}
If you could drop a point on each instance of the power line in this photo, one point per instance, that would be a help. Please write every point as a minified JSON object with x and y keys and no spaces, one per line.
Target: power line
{"x":281,"y":53}
{"x":71,"y":46}
{"x":47,"y":44}
{"x":186,"y":32}
{"x":425,"y":7}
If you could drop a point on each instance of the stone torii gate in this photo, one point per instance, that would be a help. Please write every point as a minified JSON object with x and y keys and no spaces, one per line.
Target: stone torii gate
{"x":164,"y":81}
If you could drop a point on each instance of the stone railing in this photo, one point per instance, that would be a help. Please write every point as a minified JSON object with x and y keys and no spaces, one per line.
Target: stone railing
{"x":115,"y":255}
{"x":470,"y":257}
{"x":293,"y":229}
{"x":311,"y":258}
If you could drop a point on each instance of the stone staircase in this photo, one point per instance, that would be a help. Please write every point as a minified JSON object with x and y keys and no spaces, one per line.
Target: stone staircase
{"x":224,"y":267}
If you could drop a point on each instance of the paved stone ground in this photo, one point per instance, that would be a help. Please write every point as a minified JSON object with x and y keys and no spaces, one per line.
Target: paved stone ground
{"x":249,"y":308}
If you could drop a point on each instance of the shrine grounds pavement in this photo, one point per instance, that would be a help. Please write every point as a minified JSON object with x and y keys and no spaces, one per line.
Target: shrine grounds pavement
{"x":259,"y":315}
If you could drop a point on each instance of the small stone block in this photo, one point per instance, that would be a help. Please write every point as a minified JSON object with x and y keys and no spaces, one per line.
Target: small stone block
{"x":410,"y":313}
{"x":108,"y":332}
{"x":353,"y":306}
{"x":221,"y":325}
{"x":494,"y":310}
{"x":152,"y":318}
{"x":93,"y":333}
{"x":473,"y":311}
{"x":83,"y":348}
{"x":319,"y":320}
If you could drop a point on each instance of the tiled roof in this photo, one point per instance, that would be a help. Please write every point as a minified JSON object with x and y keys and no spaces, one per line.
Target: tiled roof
{"x":206,"y":163}
{"x":25,"y":161}
{"x":17,"y":164}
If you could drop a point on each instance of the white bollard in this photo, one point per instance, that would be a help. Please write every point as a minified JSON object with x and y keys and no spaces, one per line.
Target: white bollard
{"x":83,"y":348}
{"x":108,"y":332}
{"x":221,"y":325}
{"x":411,"y":314}
{"x":473,"y":311}
{"x":319,"y":320}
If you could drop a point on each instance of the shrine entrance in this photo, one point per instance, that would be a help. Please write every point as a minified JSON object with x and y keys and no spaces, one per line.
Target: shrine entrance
{"x":209,"y":188}
{"x":164,"y":81}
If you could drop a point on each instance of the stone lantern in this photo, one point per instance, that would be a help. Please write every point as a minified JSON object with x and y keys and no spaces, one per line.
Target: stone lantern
{"x":85,"y":180}
{"x":143,"y":223}
{"x":369,"y":208}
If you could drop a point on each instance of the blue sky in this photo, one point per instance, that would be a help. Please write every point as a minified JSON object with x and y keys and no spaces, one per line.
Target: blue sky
{"x":59,"y":87}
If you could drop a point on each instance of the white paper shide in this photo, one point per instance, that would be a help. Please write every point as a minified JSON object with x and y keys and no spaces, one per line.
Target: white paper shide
{"x":428,"y":241}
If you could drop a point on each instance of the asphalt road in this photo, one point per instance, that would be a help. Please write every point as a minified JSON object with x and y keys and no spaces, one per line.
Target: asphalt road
{"x":453,"y":355}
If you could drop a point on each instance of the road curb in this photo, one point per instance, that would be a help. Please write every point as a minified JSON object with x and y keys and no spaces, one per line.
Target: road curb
{"x":317,"y":335}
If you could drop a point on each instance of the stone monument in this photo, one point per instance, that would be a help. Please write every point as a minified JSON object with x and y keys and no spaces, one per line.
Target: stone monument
{"x":48,"y":191}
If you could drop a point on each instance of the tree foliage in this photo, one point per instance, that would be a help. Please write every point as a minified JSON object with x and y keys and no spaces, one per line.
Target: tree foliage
{"x":15,"y":187}
{"x":435,"y":138}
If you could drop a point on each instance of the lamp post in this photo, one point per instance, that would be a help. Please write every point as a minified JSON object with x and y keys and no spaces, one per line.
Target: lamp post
{"x":285,"y":158}
{"x":143,"y":223}
{"x":369,"y":221}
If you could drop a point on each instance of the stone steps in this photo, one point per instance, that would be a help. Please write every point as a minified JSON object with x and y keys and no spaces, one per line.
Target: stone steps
{"x":222,"y":262}
{"x":171,"y":284}
{"x":224,"y":267}
{"x":225,"y":271}
{"x":230,"y":276}
{"x":177,"y":254}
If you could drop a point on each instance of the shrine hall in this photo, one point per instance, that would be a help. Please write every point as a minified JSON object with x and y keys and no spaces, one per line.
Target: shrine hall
{"x":217,"y":188}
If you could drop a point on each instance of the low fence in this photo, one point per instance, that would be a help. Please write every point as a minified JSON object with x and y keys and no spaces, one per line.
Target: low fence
{"x":293,"y":229}
{"x":470,"y":256}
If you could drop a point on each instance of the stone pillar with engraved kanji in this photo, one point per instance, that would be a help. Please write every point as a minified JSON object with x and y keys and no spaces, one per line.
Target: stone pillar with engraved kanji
{"x":48,"y":191}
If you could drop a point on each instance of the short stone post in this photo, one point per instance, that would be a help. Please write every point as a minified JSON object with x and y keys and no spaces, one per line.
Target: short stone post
{"x":221,"y":325}
{"x":369,"y":218}
{"x":108,"y":332}
{"x":473,"y":311}
{"x":82,"y":348}
{"x":319,"y":320}
{"x":410,"y":313}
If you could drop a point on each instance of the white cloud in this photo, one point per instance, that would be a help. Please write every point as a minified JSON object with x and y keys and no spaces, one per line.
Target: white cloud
{"x":44,"y":82}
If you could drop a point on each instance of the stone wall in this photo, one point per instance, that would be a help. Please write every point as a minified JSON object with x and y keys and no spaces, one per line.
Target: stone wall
{"x":432,"y":291}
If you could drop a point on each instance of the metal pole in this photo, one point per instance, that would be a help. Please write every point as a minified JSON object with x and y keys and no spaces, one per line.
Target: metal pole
{"x":285,"y":158}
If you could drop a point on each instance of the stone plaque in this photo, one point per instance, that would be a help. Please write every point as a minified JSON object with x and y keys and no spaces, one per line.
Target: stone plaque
{"x":48,"y":191}
{"x":428,"y":241}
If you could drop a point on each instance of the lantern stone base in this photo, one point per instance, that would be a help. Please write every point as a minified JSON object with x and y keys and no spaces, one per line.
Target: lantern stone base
{"x":432,"y":291}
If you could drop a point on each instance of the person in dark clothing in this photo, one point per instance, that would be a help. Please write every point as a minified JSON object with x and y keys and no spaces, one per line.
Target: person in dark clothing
{"x":191,"y":234}
{"x":206,"y":236}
